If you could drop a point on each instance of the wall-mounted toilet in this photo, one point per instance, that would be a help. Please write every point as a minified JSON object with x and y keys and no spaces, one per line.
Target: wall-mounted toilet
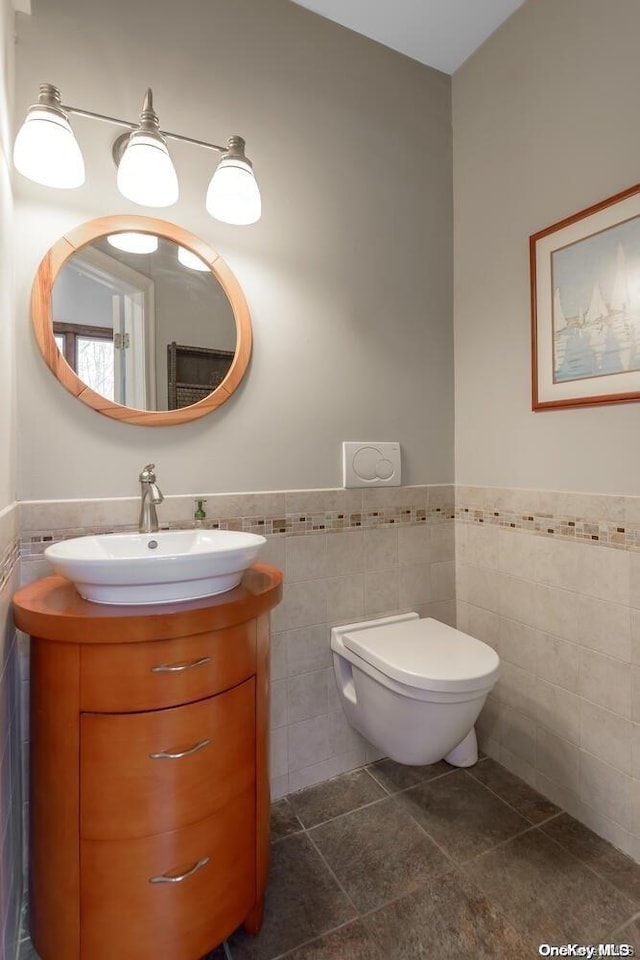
{"x":414,"y":688}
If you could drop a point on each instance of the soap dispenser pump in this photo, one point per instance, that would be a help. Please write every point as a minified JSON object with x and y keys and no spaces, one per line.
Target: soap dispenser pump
{"x":199,"y":514}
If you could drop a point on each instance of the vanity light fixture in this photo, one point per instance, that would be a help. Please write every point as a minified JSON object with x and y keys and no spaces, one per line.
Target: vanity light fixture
{"x":146,"y":174}
{"x":134,"y":242}
{"x":47,"y":152}
{"x":46,"y":149}
{"x":233,"y":194}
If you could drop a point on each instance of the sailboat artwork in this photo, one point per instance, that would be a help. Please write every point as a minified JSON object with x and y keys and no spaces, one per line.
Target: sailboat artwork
{"x":585,"y":306}
{"x":596,"y":304}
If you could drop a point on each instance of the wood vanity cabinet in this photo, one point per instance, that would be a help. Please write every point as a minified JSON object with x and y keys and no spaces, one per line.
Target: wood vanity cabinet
{"x":149,"y":773}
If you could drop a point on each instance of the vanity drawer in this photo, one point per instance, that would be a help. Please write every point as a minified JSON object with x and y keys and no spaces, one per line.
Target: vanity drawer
{"x":125,"y":916}
{"x":165,"y":673}
{"x":148,"y":773}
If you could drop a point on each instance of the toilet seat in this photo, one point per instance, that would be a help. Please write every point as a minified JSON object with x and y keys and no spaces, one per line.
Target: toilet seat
{"x":422,"y":654}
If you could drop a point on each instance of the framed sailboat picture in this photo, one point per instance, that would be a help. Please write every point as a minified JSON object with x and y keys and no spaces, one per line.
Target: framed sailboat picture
{"x":585,"y":306}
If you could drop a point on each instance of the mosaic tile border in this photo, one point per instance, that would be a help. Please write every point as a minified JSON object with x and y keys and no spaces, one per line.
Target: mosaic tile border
{"x":619,"y":534}
{"x":606,"y":533}
{"x":33,"y":544}
{"x":8,"y":562}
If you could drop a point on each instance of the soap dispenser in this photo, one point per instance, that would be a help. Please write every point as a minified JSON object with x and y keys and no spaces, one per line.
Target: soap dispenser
{"x":199,"y":514}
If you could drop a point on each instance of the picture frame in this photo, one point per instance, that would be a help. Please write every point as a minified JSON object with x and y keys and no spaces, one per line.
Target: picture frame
{"x":585,"y":306}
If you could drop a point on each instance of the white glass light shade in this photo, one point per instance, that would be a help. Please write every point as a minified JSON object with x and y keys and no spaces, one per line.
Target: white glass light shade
{"x":146,"y":174}
{"x":191,"y":260}
{"x":134,"y":242}
{"x":47,"y":151}
{"x":233,"y":194}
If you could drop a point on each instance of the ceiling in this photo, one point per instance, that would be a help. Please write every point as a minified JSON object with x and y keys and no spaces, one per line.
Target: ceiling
{"x":440,"y":33}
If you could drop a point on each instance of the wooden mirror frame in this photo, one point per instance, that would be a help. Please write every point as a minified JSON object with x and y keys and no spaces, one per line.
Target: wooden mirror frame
{"x":42,"y":317}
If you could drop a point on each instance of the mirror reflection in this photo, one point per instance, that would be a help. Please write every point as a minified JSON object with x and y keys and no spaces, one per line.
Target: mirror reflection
{"x":143,"y":321}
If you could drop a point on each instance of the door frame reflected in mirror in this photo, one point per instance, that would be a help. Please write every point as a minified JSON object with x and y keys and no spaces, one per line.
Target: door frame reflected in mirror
{"x":41,"y":312}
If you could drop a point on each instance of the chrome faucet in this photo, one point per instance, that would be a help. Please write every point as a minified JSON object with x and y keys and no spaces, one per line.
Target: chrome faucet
{"x":151,"y":495}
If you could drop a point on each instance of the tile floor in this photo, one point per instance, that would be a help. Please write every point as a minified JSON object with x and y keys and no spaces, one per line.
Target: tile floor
{"x":404,"y":863}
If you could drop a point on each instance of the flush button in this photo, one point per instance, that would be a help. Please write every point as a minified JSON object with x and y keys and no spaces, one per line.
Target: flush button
{"x":371,"y":464}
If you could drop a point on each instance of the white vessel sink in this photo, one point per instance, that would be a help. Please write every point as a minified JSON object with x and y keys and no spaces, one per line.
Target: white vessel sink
{"x":163,"y":567}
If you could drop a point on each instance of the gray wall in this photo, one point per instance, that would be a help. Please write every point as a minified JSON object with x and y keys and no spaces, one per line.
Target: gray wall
{"x":544,"y":126}
{"x":348,"y":274}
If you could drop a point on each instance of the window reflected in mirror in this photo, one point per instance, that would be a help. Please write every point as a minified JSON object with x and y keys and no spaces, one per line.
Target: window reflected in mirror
{"x":89,"y":351}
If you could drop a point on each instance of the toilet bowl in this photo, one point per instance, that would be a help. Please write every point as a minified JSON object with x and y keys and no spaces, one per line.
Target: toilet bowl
{"x":414,"y":688}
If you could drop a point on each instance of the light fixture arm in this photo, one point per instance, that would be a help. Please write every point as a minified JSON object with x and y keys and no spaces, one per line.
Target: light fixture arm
{"x":79,"y":112}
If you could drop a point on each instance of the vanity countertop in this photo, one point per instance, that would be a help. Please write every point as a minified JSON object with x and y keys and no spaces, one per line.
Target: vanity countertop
{"x":52,"y":608}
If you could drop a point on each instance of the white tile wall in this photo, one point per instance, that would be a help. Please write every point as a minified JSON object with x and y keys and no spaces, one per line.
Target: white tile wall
{"x":11,"y":811}
{"x":331,"y":576}
{"x":563,"y":616}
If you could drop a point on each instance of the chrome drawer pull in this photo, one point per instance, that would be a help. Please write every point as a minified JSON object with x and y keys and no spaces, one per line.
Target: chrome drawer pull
{"x":164,"y":878}
{"x":164,"y":755}
{"x":179,"y":667}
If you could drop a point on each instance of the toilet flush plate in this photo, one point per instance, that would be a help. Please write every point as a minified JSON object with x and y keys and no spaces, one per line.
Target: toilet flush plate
{"x":370,"y":464}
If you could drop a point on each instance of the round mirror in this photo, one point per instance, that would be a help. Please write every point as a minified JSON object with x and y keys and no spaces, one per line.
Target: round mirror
{"x":141,"y":320}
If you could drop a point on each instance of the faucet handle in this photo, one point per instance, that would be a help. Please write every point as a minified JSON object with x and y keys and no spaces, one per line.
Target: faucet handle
{"x":148,"y":475}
